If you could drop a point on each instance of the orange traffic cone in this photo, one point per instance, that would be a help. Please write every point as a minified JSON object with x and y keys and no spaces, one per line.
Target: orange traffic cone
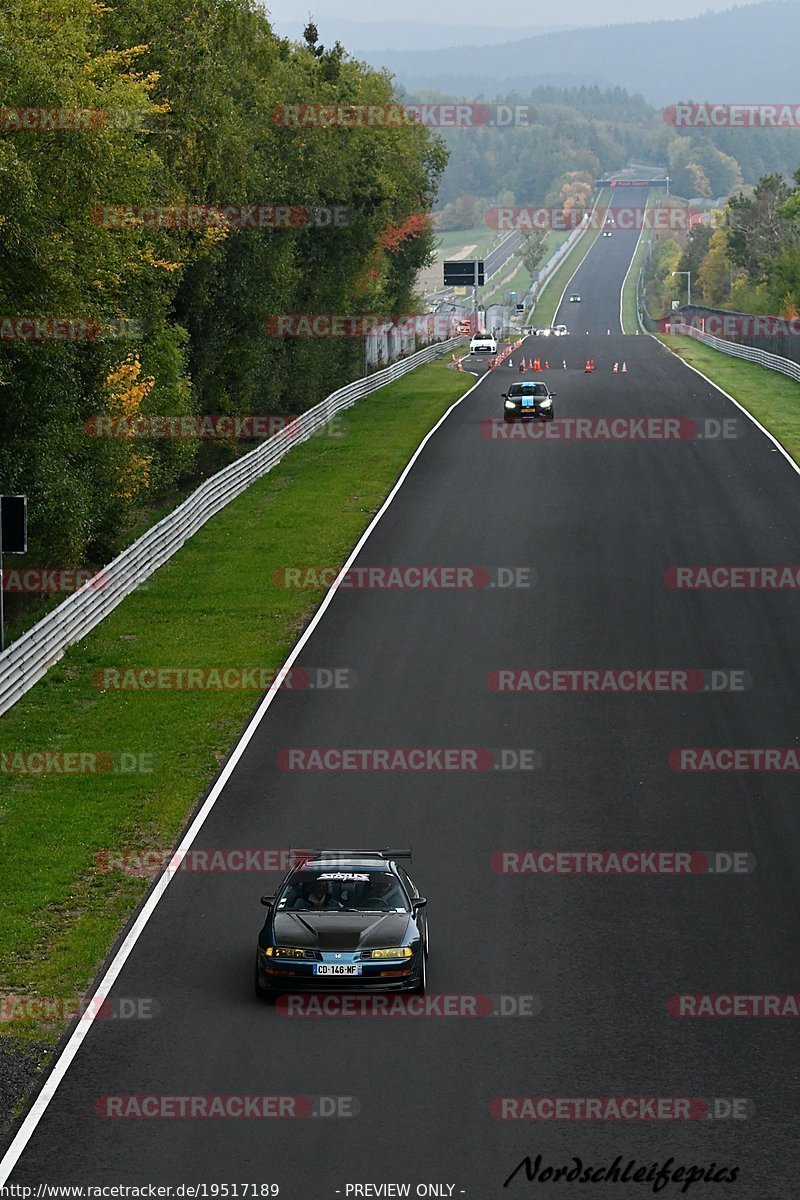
{"x":537,"y":366}
{"x":616,"y":369}
{"x":459,"y":365}
{"x":491,"y":363}
{"x":624,"y":368}
{"x":587,"y":370}
{"x":546,"y":365}
{"x":511,"y":362}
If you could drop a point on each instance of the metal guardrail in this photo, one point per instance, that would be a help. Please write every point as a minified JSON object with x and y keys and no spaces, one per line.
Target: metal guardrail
{"x":28,"y":659}
{"x":762,"y":358}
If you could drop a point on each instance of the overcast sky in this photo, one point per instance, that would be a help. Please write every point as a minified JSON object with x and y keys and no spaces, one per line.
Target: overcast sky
{"x":514,"y":12}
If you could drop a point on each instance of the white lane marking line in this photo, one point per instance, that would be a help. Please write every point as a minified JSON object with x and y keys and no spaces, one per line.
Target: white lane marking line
{"x":733,"y":400}
{"x":62,"y":1063}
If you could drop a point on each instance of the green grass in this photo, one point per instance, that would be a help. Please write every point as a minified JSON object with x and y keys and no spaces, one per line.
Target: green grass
{"x":454,"y":240}
{"x":772,"y":398}
{"x":214,"y":604}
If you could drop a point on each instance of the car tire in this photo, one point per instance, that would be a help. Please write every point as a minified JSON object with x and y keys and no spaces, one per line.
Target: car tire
{"x":419,"y":990}
{"x":550,"y":416}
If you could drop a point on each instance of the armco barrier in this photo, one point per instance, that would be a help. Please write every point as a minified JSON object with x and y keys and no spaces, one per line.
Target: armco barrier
{"x":762,"y":358}
{"x":28,"y":659}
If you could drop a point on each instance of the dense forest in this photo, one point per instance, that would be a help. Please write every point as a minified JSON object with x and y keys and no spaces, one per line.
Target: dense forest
{"x":747,"y":259}
{"x":599,"y":130}
{"x":172,"y":103}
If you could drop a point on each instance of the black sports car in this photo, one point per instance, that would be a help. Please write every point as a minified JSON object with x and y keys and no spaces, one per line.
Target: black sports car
{"x":344,"y":920}
{"x":528,"y":401}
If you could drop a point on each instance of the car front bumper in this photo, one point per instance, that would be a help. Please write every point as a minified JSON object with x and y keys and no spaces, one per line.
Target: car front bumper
{"x":387,"y":976}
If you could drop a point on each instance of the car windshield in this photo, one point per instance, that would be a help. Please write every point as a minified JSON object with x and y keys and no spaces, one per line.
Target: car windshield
{"x":343,"y":890}
{"x":527,"y":389}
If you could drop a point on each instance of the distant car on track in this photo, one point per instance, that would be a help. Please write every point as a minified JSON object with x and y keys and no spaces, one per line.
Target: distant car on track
{"x":483,"y":343}
{"x":344,"y":920}
{"x":560,"y":331}
{"x":606,"y":233}
{"x":528,"y":401}
{"x":575,"y":298}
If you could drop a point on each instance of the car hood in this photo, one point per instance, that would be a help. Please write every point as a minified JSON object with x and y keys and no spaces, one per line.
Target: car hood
{"x":341,"y":931}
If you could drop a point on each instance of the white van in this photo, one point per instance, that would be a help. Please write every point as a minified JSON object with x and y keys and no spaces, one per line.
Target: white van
{"x":483,"y":343}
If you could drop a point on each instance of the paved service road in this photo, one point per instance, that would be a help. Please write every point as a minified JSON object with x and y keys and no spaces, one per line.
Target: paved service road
{"x":597,"y":522}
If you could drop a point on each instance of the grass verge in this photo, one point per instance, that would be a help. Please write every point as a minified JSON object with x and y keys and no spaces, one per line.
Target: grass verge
{"x":772,"y":398}
{"x":215,"y":604}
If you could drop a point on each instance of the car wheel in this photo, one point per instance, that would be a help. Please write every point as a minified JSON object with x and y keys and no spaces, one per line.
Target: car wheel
{"x":419,"y":990}
{"x":550,"y":416}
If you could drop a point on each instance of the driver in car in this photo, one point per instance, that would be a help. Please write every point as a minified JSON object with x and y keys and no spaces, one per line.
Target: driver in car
{"x":316,"y":897}
{"x":385,"y":893}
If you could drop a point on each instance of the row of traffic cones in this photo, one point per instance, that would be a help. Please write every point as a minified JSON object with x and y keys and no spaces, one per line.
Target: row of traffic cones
{"x":618,"y":370}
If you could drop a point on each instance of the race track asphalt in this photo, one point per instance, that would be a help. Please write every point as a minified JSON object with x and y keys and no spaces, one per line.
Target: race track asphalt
{"x":597,"y":521}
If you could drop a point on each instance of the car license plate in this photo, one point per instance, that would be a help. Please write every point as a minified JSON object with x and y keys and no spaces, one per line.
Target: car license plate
{"x":337,"y":968}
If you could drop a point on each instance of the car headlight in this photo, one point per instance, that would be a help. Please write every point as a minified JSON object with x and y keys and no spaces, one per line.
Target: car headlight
{"x":511,"y":404}
{"x":393,"y":952}
{"x":548,"y":403}
{"x":284,"y":952}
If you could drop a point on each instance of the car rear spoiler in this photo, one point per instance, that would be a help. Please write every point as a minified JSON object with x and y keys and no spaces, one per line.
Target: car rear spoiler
{"x":351,"y":852}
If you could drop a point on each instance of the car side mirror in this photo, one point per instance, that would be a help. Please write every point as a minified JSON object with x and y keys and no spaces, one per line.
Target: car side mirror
{"x":419,"y":902}
{"x":267,"y":901}
{"x":554,"y":393}
{"x":504,"y":395}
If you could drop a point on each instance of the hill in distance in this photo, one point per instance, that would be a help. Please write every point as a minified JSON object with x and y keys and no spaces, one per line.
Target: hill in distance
{"x":744,"y":54}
